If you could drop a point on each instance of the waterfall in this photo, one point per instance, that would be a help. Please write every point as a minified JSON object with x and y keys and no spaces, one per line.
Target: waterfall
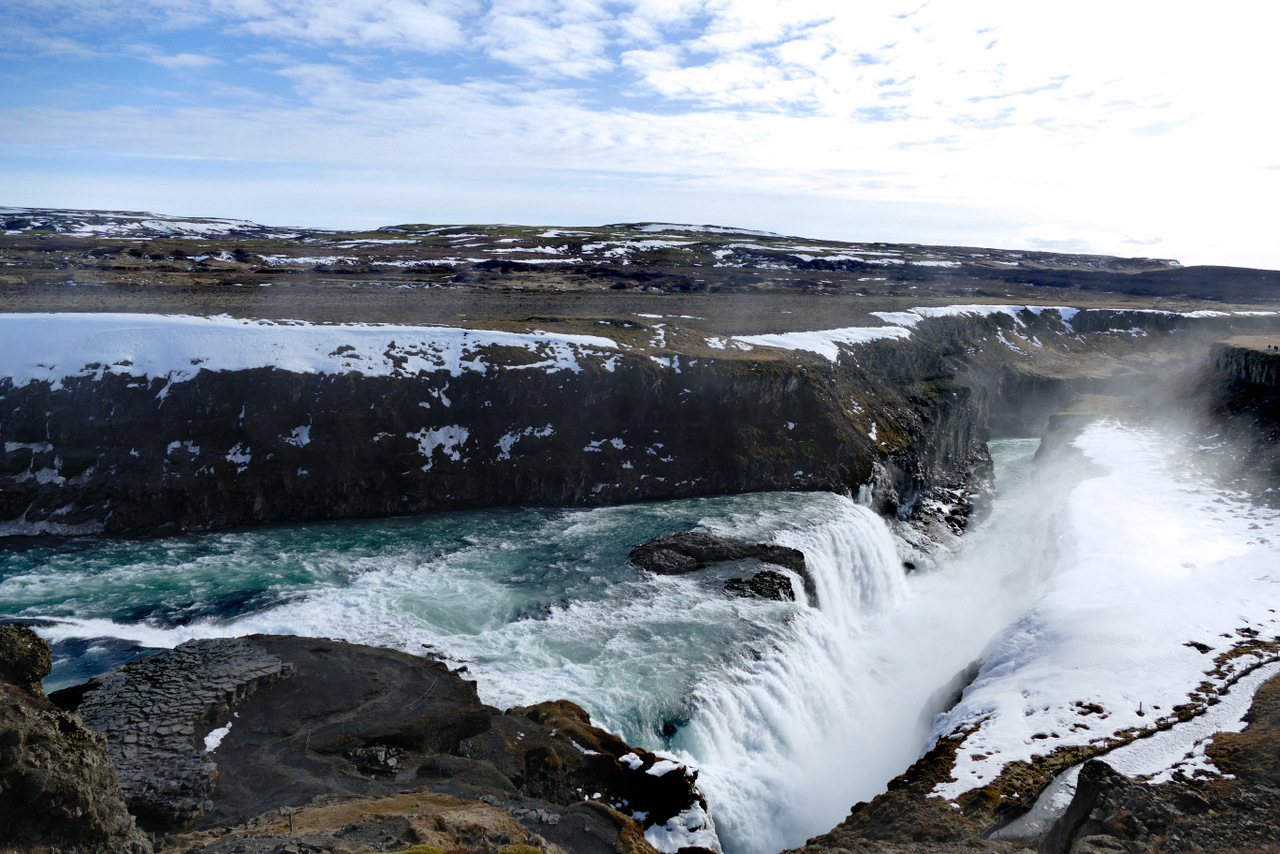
{"x":844,"y":701}
{"x":766,"y":728}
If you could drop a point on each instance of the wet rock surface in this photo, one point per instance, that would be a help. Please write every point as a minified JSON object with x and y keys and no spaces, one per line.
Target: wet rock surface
{"x":765,"y":584}
{"x":315,"y":723}
{"x":691,"y":551}
{"x":58,"y":789}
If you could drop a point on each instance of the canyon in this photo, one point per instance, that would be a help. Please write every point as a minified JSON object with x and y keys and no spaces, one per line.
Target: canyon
{"x":174,"y":376}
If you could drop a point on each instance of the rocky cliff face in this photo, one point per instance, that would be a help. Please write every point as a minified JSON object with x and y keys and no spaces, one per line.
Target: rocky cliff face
{"x":58,"y":789}
{"x":1249,"y":361}
{"x":1244,"y":391}
{"x":676,"y":415}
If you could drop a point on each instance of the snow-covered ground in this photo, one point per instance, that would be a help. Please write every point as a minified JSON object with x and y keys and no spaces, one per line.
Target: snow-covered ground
{"x":54,"y":347}
{"x":1149,"y":578}
{"x":824,"y":342}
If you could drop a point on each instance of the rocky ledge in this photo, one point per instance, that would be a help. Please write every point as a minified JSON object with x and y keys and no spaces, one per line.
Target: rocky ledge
{"x":150,"y":713}
{"x":1245,"y":396}
{"x":262,"y":743}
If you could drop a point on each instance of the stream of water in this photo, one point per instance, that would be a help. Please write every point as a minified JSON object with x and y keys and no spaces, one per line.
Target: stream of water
{"x":791,"y":712}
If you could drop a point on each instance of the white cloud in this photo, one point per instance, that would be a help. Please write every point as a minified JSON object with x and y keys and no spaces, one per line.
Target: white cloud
{"x":424,"y":25}
{"x":553,"y":38}
{"x":17,"y":37}
{"x":179,"y":61}
{"x":1121,"y":124}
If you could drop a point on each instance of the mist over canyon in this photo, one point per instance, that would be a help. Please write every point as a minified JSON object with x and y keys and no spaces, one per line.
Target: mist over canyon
{"x":1035,"y":497}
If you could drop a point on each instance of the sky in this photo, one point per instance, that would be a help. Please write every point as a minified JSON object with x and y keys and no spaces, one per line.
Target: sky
{"x":1124,"y":127}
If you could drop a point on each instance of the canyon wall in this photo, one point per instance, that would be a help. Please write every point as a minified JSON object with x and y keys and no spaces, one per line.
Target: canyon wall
{"x":1245,"y":396}
{"x":109,"y":451}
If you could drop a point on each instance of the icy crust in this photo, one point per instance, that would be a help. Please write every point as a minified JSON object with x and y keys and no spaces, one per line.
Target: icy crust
{"x":1159,"y":599}
{"x":1158,"y":759}
{"x":54,"y":347}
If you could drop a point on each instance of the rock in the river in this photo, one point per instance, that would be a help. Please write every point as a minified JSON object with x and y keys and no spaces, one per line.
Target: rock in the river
{"x":690,"y":551}
{"x":58,"y":790}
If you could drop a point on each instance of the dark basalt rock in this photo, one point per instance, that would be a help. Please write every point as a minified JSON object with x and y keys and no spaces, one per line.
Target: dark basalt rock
{"x":690,"y":551}
{"x":353,"y":721}
{"x":155,"y":713}
{"x":58,"y":790}
{"x":1244,"y":394}
{"x":1106,"y":804}
{"x":765,"y":584}
{"x":694,"y":550}
{"x":24,"y":658}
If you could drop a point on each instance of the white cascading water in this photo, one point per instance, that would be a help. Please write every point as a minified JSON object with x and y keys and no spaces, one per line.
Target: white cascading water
{"x":790,"y":713}
{"x":763,"y":726}
{"x":787,"y":743}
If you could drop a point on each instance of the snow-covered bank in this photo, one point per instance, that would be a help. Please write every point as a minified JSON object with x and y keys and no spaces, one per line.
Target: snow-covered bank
{"x":1158,"y":582}
{"x":54,"y":347}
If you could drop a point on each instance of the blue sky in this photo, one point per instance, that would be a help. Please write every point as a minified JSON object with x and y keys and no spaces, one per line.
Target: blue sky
{"x":1134,"y":128}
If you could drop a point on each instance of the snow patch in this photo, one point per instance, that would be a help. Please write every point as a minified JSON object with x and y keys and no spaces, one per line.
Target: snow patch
{"x":448,"y":439}
{"x":53,"y":347}
{"x":825,"y":343}
{"x":898,"y":318}
{"x":300,"y":437}
{"x":215,"y":737}
{"x":508,"y":440}
{"x":691,"y":828}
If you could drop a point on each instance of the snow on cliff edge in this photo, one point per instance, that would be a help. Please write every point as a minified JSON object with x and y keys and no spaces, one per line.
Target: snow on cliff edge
{"x":53,"y":347}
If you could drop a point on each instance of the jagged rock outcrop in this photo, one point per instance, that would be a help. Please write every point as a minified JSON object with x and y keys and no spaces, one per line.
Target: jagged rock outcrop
{"x":1249,"y":360}
{"x":356,"y":722}
{"x":1244,"y":393}
{"x":58,"y":789}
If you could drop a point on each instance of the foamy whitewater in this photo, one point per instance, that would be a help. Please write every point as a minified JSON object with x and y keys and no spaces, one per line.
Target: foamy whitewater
{"x":1083,"y":585}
